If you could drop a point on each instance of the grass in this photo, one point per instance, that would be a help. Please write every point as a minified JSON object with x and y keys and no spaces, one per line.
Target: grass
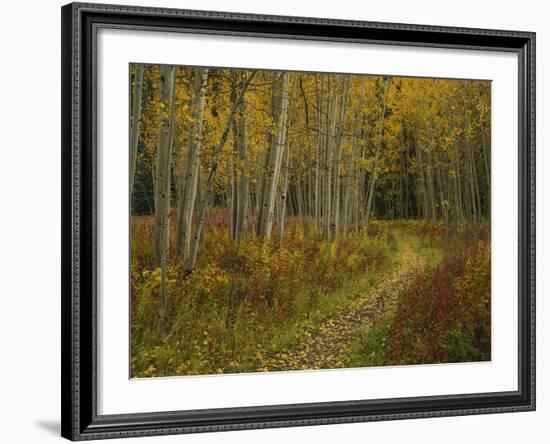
{"x":243,"y":305}
{"x":444,"y":316}
{"x":432,"y":255}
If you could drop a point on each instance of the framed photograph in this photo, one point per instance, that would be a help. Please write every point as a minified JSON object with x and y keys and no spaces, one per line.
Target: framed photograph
{"x":280,"y":221}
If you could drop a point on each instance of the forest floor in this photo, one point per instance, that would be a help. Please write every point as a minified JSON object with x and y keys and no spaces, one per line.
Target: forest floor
{"x":401,"y":293}
{"x":326,"y":346}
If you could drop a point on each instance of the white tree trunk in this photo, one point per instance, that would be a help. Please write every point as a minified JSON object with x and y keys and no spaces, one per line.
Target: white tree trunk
{"x":186,"y":202}
{"x":268,"y":204}
{"x":135,"y":123}
{"x":337,"y":160}
{"x":163,"y":162}
{"x":374,"y":173}
{"x":242,"y":152}
{"x":203,"y":204}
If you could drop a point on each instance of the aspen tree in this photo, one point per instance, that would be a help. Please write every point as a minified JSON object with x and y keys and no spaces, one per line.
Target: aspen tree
{"x":374,"y":173}
{"x":272,"y":173}
{"x":203,"y":204}
{"x":162,"y":201}
{"x":337,"y":159}
{"x":135,"y":122}
{"x":186,"y":200}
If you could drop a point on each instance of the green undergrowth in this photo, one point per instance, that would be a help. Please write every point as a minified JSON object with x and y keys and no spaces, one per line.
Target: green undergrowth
{"x":242,"y":306}
{"x":444,"y":314}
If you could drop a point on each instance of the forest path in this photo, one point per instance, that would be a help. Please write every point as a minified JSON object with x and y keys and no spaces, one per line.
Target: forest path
{"x":326,"y":346}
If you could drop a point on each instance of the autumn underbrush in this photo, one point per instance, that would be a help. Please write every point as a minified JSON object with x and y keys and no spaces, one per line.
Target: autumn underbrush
{"x":245,"y":302}
{"x":444,"y":315}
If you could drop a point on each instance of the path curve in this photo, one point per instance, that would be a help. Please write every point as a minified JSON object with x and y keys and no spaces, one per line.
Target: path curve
{"x":326,"y":346}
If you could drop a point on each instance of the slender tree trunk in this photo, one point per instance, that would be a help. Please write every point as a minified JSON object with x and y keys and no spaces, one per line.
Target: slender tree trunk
{"x":163,"y":158}
{"x":234,"y":202}
{"x":162,"y":209}
{"x":186,"y":201}
{"x":349,"y":183}
{"x":374,"y":173}
{"x":458,"y":185}
{"x":337,"y":160}
{"x":203,"y":204}
{"x":299,"y":198}
{"x":135,"y":123}
{"x":329,"y":143}
{"x":472,"y":180}
{"x":486,"y":151}
{"x":430,"y":182}
{"x":283,"y":204}
{"x":307,"y":182}
{"x":269,"y":155}
{"x":242,"y":152}
{"x":486,"y":164}
{"x":268,"y":204}
{"x":318,"y":154}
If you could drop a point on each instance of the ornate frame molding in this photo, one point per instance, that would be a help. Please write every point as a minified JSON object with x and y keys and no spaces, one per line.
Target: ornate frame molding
{"x":79,"y":413}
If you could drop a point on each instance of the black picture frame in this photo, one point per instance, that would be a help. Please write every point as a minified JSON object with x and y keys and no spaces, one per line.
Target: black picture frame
{"x":80,"y":420}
